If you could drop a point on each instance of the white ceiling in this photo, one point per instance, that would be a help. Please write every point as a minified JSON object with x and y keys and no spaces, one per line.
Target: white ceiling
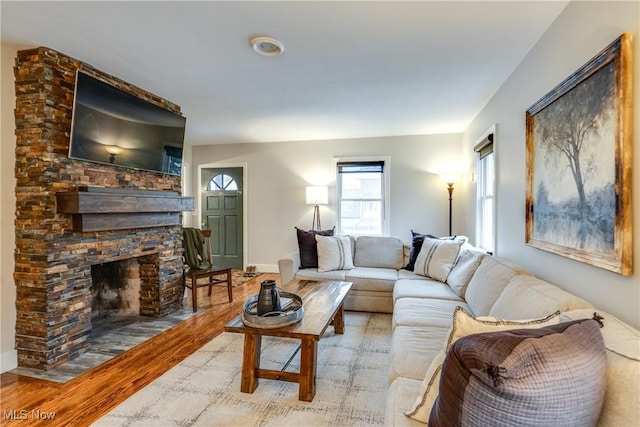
{"x":349,"y":69}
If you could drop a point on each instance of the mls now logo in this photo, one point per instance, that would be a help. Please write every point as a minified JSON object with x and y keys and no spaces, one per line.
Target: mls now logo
{"x":21,"y":415}
{"x":15,"y":415}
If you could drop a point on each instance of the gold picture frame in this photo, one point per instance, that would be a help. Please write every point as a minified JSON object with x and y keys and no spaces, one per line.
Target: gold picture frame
{"x":579,"y":157}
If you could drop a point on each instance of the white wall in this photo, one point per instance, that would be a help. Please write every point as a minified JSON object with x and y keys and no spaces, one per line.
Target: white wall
{"x":580,"y":32}
{"x":8,"y":354}
{"x":277,"y":174}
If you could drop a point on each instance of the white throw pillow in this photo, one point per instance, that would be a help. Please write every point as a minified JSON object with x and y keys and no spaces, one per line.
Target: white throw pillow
{"x":334,"y":253}
{"x":464,"y":324}
{"x":437,"y":257}
{"x":463,"y":270}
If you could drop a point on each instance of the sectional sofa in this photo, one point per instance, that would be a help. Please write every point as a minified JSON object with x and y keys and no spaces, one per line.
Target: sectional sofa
{"x":490,"y":290}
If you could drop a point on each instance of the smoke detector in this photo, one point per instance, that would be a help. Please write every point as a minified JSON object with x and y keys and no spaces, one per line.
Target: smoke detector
{"x":266,"y":46}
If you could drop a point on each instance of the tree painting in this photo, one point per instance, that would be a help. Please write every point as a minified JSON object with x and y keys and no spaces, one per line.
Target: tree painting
{"x":579,"y":159}
{"x":574,"y":166}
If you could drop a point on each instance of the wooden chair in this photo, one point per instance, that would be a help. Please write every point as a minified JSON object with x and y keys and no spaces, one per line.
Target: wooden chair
{"x":214,"y":274}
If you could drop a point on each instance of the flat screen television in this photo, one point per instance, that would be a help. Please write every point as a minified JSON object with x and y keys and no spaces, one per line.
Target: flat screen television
{"x":111,"y":126}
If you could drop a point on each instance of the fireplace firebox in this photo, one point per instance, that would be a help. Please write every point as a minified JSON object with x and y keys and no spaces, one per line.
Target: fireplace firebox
{"x":115,"y":289}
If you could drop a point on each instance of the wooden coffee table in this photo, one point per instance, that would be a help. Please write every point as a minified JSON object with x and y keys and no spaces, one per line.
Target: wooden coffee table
{"x":323,"y":304}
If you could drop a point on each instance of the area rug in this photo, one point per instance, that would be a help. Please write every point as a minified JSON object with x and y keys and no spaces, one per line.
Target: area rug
{"x":204,"y":389}
{"x":238,"y":277}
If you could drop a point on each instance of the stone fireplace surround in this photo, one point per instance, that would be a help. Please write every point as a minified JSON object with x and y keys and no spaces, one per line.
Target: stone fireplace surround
{"x":53,"y":258}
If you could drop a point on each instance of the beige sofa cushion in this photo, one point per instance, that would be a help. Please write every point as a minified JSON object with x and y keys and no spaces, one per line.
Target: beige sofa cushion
{"x":385,"y":252}
{"x":621,"y":401}
{"x":372,"y":279}
{"x":427,"y":288}
{"x":313,"y":274}
{"x":488,"y":282}
{"x":527,"y":297}
{"x":466,"y":265}
{"x":406,"y":274}
{"x":406,"y":251}
{"x":412,"y":350}
{"x":463,"y":324}
{"x":400,"y":396}
{"x":425,"y":312}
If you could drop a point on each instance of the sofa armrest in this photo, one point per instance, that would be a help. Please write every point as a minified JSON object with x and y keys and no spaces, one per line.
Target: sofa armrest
{"x":288,"y":267}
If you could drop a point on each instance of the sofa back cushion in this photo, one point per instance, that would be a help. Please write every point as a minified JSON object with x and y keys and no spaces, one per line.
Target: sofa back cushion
{"x":491,"y":277}
{"x":466,"y":265}
{"x":527,"y":297}
{"x":379,"y":251}
{"x":406,"y":252}
{"x":622,"y":343}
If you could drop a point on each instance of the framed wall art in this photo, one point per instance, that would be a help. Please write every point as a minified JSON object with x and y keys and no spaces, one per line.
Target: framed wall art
{"x":579,"y":157}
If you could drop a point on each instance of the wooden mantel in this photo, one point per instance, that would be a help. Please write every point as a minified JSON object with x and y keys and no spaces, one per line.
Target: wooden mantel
{"x":102,"y":209}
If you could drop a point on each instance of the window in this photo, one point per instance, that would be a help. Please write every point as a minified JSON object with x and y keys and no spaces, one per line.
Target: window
{"x":485,"y":217}
{"x":172,"y":160}
{"x":361,"y":191}
{"x":222,"y":182}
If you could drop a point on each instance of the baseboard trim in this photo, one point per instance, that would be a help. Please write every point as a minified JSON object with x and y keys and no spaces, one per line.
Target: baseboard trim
{"x":267,"y":268}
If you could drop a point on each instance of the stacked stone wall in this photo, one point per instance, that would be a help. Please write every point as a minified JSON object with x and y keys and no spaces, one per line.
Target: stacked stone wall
{"x":52,"y":262}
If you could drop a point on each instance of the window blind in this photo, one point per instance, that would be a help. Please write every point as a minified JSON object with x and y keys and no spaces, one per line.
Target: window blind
{"x":361,"y":167}
{"x":484,"y":147}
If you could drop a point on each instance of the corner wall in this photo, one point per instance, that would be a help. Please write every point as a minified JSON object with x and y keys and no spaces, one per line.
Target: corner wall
{"x":8,"y":354}
{"x":581,"y":31}
{"x":277,"y":174}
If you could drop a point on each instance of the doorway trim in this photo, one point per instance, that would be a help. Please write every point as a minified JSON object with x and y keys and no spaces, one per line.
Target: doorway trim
{"x":245,"y":192}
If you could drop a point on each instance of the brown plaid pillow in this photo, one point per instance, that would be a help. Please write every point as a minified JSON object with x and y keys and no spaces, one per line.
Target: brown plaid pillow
{"x":552,"y":376}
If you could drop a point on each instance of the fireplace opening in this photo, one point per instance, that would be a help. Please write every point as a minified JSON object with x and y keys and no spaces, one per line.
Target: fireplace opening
{"x":115,"y":289}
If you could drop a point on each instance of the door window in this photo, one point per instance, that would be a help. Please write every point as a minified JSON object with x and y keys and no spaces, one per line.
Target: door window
{"x":222,"y":182}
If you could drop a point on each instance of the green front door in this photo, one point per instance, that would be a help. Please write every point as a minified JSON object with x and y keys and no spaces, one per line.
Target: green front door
{"x":222,"y":214}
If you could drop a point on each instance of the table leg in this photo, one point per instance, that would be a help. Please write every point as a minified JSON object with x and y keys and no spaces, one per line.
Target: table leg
{"x":250,"y":362}
{"x":308,"y":358}
{"x":338,"y":321}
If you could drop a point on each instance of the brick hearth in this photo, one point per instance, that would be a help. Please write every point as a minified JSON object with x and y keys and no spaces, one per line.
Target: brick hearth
{"x":52,"y":261}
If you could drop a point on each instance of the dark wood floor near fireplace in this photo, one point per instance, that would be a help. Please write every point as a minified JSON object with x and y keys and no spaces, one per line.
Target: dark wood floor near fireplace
{"x":85,"y":399}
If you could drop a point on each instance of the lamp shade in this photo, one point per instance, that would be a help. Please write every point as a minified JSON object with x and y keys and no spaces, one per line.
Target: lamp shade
{"x":450,"y":178}
{"x":317,"y":195}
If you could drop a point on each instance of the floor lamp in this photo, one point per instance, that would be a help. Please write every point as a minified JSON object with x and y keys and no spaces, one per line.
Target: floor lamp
{"x":317,"y":195}
{"x":450,"y":179}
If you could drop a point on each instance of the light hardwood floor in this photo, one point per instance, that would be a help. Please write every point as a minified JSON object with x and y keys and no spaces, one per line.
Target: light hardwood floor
{"x":83,"y":400}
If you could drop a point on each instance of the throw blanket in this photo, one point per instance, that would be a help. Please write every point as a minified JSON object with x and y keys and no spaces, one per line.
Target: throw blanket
{"x":194,"y":248}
